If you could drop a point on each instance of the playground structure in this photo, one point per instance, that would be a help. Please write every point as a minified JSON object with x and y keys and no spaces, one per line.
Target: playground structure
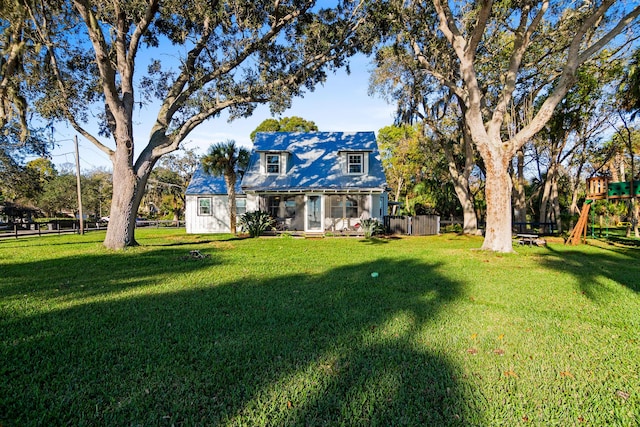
{"x":599,"y":188}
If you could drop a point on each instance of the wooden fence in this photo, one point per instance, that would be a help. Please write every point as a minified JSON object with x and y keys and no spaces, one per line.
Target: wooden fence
{"x":419,"y":225}
{"x":18,"y":230}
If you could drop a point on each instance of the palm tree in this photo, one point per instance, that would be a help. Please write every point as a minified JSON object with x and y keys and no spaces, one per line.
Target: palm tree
{"x":227,"y":160}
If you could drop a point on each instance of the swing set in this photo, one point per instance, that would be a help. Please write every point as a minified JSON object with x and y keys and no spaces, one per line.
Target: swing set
{"x":599,"y":188}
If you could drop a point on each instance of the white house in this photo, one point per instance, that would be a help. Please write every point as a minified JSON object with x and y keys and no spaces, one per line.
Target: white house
{"x":207,"y":204}
{"x":313,"y":182}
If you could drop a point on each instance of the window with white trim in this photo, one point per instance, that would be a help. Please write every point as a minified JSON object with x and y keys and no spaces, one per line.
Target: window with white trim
{"x":273,"y":163}
{"x":204,"y":206}
{"x":344,"y":206}
{"x":241,"y":206}
{"x":355,"y":163}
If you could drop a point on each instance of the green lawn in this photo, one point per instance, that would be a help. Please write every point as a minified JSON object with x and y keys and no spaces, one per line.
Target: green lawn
{"x":283,"y":331}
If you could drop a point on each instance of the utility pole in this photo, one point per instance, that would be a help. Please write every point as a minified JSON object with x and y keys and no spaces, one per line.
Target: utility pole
{"x":78,"y":186}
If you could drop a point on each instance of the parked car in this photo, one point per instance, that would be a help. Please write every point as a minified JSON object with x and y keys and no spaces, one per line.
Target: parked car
{"x":142,"y":222}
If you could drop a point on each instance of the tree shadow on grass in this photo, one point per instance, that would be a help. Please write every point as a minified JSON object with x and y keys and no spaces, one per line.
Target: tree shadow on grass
{"x":630,"y":242}
{"x":622,"y":265}
{"x":86,"y":275}
{"x":52,"y":240}
{"x":330,"y":349}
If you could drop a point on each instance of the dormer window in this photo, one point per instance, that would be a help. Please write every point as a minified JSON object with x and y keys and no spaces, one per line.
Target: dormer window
{"x":273,"y":163}
{"x":355,"y":163}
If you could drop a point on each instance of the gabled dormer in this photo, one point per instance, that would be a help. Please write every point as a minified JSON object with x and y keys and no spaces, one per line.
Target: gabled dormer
{"x":275,"y":163}
{"x":354,"y":162}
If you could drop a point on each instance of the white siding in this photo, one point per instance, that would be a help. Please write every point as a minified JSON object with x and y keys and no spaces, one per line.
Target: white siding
{"x":252,"y":203}
{"x":217,"y":222}
{"x":379,"y":205}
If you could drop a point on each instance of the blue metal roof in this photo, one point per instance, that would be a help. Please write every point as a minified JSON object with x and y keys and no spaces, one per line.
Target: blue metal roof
{"x":314,"y":162}
{"x":203,"y":183}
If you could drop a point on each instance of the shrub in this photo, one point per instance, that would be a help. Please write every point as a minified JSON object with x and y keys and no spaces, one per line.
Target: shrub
{"x":255,"y":223}
{"x":371,"y":227}
{"x":453,"y":228}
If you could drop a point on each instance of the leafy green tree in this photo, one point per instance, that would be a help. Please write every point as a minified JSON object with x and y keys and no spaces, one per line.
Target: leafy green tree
{"x":96,"y":193}
{"x":16,"y":48}
{"x":21,"y":56}
{"x":44,"y":168}
{"x":226,"y":160}
{"x":168,"y":182}
{"x":165,"y":193}
{"x":403,"y":155}
{"x":629,"y":90}
{"x":231,"y":56}
{"x":399,"y":78}
{"x":285,"y":124}
{"x":59,"y":195}
{"x":485,"y":54}
{"x":24,"y":183}
{"x":629,"y":101}
{"x":582,"y":112}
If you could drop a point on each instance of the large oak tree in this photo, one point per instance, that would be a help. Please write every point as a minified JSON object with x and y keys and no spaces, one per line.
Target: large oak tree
{"x":224,"y":55}
{"x":487,"y":54}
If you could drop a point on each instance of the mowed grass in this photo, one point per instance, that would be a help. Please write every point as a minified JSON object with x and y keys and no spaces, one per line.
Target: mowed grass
{"x":283,"y":331}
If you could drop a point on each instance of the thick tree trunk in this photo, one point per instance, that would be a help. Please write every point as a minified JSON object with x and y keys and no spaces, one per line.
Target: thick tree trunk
{"x":128,"y":188}
{"x":460,"y":180}
{"x":498,"y":234}
{"x":124,"y":206}
{"x":519,"y":196}
{"x":555,"y":204}
{"x":549,"y":203}
{"x":470,"y":219}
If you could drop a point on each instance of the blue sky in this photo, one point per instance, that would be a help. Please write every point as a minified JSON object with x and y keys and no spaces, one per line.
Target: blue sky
{"x":341,"y":104}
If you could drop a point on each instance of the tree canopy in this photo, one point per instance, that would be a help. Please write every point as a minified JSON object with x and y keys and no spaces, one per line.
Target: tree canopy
{"x":226,"y":55}
{"x":285,"y":124}
{"x":492,"y":55}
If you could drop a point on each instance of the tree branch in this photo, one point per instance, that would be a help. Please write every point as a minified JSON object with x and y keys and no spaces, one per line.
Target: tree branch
{"x":574,"y":60}
{"x":478,"y":30}
{"x":520,"y":44}
{"x":44,"y":35}
{"x":624,"y":22}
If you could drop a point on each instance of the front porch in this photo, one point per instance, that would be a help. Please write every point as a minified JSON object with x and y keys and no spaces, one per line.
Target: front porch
{"x":320,"y":213}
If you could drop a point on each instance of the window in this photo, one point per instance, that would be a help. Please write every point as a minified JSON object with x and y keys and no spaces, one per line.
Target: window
{"x":355,"y":163}
{"x":290,"y":207}
{"x":273,"y":163}
{"x":273,"y":206}
{"x":336,"y":207}
{"x":281,"y":207}
{"x":344,"y":207}
{"x":241,"y":206}
{"x":351,"y":207}
{"x":204,"y":206}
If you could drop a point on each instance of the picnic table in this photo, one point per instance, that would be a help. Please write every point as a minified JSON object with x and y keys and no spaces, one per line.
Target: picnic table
{"x":530,"y":239}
